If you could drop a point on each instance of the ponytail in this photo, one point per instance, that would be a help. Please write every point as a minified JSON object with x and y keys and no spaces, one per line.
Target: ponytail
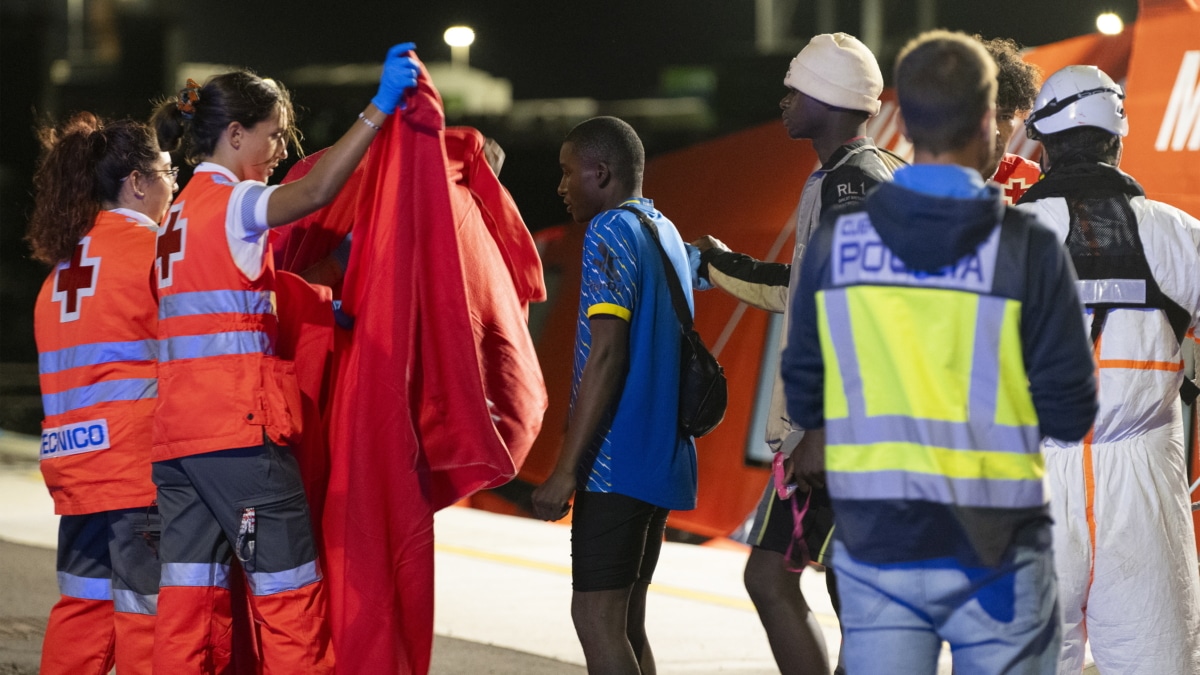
{"x":83,"y":163}
{"x":168,"y":124}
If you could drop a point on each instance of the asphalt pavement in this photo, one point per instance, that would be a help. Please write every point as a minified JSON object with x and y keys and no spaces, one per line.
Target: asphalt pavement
{"x":29,"y":591}
{"x":28,"y":586}
{"x":502,"y":594}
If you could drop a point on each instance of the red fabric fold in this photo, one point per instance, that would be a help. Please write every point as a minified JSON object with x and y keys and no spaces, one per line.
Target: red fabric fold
{"x":306,"y":337}
{"x":436,"y":391}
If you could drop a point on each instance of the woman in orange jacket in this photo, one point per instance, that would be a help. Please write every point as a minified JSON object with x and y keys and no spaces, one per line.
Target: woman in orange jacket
{"x":228,"y":408}
{"x":101,"y":190}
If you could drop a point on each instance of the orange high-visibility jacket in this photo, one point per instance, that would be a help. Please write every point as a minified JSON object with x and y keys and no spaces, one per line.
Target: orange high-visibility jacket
{"x":95,"y":326}
{"x":219,"y":384}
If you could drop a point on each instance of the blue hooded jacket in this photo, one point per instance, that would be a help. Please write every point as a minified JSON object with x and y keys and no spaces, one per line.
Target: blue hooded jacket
{"x":930,"y":217}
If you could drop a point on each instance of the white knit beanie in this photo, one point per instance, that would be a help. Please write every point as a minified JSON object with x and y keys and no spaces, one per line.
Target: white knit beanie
{"x":837,"y":70}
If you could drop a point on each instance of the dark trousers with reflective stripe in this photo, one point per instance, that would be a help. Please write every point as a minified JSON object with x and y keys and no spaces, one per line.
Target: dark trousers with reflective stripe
{"x":247,"y":502}
{"x":108,"y":575}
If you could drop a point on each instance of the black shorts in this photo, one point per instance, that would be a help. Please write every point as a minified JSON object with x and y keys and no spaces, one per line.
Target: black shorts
{"x":774,"y":524}
{"x":615,"y":541}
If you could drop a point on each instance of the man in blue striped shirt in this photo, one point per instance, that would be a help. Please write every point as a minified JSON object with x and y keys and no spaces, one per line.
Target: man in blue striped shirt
{"x":624,"y":457}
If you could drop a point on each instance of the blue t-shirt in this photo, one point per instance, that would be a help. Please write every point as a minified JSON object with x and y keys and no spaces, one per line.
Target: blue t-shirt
{"x":638,"y":451}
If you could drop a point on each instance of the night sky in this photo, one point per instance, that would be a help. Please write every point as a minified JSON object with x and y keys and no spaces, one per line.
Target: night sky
{"x":554,"y":48}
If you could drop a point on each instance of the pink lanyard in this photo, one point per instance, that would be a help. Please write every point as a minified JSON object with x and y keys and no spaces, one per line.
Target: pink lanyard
{"x":798,"y":545}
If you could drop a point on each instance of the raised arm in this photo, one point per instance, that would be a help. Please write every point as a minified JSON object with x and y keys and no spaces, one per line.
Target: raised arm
{"x":300,"y":198}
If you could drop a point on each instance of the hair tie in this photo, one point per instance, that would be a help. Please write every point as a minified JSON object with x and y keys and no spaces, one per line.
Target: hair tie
{"x":186,"y":105}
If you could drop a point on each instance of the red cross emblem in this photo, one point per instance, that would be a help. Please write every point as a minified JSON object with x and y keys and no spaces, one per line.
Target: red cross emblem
{"x":74,"y":280}
{"x":171,"y":244}
{"x":1015,"y":189}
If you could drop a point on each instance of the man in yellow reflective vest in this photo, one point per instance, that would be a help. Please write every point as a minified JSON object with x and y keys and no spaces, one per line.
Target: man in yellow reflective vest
{"x":936,"y":340}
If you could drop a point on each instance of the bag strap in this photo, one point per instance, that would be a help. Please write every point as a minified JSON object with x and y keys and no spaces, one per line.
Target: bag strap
{"x":681,"y":308}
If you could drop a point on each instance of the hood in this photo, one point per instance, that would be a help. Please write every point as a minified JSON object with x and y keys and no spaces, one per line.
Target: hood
{"x":929,"y":232}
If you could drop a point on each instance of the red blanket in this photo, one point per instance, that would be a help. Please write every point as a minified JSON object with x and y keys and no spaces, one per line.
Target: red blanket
{"x":436,"y":391}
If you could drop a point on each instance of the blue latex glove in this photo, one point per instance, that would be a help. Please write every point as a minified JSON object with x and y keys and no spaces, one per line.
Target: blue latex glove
{"x":699,"y":283}
{"x":341,"y":318}
{"x":399,"y":74}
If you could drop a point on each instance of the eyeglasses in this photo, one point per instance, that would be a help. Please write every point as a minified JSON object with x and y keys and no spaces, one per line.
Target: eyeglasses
{"x":172,"y":173}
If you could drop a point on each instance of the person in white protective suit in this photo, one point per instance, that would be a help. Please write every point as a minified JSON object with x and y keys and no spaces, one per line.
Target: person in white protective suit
{"x":1125,"y":550}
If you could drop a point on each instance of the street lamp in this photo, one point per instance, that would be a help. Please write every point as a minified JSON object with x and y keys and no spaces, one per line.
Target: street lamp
{"x":1109,"y":23}
{"x":459,"y":38}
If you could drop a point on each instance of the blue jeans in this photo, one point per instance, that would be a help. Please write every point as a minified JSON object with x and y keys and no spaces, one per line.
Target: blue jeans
{"x":1002,"y":619}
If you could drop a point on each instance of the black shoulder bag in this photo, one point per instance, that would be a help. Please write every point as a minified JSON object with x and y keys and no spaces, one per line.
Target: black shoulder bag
{"x":703,"y":392}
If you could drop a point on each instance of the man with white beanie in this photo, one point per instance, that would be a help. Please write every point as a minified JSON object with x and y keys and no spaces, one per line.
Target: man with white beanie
{"x":833,"y":89}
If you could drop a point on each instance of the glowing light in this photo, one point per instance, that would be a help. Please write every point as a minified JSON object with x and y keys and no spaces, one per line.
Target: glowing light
{"x":1109,"y":23}
{"x":459,"y":36}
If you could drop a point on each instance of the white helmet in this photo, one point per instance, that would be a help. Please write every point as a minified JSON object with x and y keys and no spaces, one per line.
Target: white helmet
{"x":1078,"y":96}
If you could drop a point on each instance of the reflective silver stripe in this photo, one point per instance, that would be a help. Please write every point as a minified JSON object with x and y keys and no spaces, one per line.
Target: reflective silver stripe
{"x":1115,"y":291}
{"x":270,"y":583}
{"x":195,"y":574}
{"x":214,"y":344}
{"x":130,"y":602}
{"x":935,"y":433}
{"x":132,"y":389}
{"x":907,"y":485}
{"x":841,"y":333}
{"x":985,"y":365}
{"x":85,"y":588}
{"x":215,"y":302}
{"x":97,"y":353}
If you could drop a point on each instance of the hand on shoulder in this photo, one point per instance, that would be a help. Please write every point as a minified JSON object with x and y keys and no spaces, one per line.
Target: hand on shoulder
{"x":708,"y":241}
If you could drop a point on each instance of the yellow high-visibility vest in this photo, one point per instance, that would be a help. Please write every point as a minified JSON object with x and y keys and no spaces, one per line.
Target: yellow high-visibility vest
{"x":926,"y":395}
